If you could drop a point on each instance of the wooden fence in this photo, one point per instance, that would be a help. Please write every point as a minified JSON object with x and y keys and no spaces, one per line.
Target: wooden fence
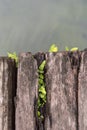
{"x":66,"y":86}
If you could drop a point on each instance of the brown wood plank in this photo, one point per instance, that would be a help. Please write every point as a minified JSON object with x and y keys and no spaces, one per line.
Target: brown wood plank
{"x":7,"y":86}
{"x":61,"y":85}
{"x":27,"y":92}
{"x":82,"y":92}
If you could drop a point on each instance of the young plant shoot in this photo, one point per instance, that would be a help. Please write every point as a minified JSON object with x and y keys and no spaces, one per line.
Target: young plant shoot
{"x":72,"y":49}
{"x":14,"y":57}
{"x":42,"y":86}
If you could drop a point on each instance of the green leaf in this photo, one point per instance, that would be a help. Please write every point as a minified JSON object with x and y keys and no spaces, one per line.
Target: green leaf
{"x":39,"y":103}
{"x":53,"y":48}
{"x":13,"y":56}
{"x":41,"y":76}
{"x":41,"y":95}
{"x":42,"y":117}
{"x":66,"y":48}
{"x":41,"y":67}
{"x":74,"y":49}
{"x":38,"y":113}
{"x":40,"y":81}
{"x":42,"y":90}
{"x":40,"y":71}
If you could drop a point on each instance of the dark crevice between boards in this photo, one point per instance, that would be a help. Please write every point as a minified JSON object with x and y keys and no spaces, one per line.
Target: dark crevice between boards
{"x":14,"y":95}
{"x":12,"y":66}
{"x":75,"y":59}
{"x":40,"y":57}
{"x":14,"y":80}
{"x":11,"y":86}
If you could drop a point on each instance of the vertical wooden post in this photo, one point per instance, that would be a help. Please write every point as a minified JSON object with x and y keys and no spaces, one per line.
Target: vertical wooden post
{"x":82,"y":92}
{"x":61,"y":82}
{"x":27,"y":93}
{"x":7,"y":86}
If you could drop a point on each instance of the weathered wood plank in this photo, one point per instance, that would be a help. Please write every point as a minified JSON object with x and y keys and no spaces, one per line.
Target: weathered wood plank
{"x":82,"y":92}
{"x":27,"y":92}
{"x":7,"y":88}
{"x":61,"y":82}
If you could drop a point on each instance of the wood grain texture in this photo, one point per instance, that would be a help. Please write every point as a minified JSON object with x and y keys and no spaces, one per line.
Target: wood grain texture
{"x":61,"y":82}
{"x":27,"y":92}
{"x":82,"y":92}
{"x":7,"y":88}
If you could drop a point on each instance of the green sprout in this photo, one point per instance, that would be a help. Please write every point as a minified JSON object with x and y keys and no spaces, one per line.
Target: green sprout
{"x":53,"y":48}
{"x":42,"y":86}
{"x":66,"y":48}
{"x":72,"y":49}
{"x":14,"y":57}
{"x":41,"y":67}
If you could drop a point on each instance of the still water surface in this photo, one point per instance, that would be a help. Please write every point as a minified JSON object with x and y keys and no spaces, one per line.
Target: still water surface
{"x":33,"y":25}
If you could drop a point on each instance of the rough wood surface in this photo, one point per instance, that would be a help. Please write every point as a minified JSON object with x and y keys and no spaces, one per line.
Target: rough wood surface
{"x":7,"y":87}
{"x":27,"y":93}
{"x":61,"y":82}
{"x":82,"y":92}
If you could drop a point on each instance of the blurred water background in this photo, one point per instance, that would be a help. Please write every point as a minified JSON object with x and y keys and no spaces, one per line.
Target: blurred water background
{"x":33,"y":25}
